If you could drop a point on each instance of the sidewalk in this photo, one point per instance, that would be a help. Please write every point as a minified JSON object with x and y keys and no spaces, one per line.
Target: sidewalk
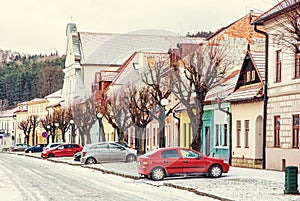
{"x":241,"y":184}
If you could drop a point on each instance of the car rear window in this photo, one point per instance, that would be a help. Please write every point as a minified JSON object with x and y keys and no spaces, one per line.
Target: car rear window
{"x":170,"y":154}
{"x":150,"y":153}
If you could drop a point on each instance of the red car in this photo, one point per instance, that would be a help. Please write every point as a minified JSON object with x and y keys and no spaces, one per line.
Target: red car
{"x":163,"y":162}
{"x":62,"y":150}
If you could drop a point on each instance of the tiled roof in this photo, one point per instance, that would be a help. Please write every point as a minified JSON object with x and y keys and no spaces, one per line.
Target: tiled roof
{"x":102,"y":48}
{"x":277,"y":10}
{"x":247,"y":92}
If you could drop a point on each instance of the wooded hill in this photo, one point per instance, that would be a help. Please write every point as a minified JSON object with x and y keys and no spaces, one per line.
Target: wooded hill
{"x":23,"y":78}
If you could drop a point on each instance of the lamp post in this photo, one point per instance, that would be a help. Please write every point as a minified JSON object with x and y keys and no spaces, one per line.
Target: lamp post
{"x":56,"y":131}
{"x":99,"y":117}
{"x":162,"y":142}
{"x":72,"y":131}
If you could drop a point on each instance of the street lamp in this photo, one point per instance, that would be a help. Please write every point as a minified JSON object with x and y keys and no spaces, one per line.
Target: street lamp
{"x":72,"y":131}
{"x":163,"y":103}
{"x":99,"y":117}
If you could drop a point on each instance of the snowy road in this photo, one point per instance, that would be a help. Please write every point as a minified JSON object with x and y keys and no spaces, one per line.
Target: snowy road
{"x":25,"y":178}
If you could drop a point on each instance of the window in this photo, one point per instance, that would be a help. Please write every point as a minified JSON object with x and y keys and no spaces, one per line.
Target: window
{"x":297,"y":62}
{"x":217,"y":135}
{"x":248,"y":76}
{"x":189,"y":154}
{"x":276,"y":131}
{"x":278,"y":65}
{"x":253,"y":75}
{"x":225,"y":131}
{"x":238,"y":133}
{"x":170,"y":154}
{"x":246,"y":133}
{"x":296,"y":128}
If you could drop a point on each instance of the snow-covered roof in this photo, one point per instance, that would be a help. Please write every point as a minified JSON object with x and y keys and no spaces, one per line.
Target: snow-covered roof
{"x":104,"y":49}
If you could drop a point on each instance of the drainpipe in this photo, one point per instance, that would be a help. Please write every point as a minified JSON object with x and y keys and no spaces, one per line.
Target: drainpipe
{"x":230,"y":128}
{"x":265,"y":91}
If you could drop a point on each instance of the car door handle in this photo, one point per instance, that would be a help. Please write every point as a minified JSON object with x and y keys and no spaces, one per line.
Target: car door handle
{"x":185,"y":161}
{"x":166,"y":161}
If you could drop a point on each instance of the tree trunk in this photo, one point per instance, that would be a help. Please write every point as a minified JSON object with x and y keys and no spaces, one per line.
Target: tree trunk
{"x":162,"y":117}
{"x":139,"y":145}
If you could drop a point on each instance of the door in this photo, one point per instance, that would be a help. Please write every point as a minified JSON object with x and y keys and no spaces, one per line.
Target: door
{"x":100,"y":152}
{"x":171,"y":161}
{"x":60,"y":150}
{"x":207,"y":140}
{"x":117,"y":153}
{"x":192,"y":162}
{"x":259,"y":137}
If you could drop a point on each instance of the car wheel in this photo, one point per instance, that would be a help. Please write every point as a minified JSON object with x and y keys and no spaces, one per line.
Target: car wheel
{"x":215,"y":171}
{"x":158,"y":174}
{"x":90,"y":161}
{"x":130,"y":158}
{"x":51,"y":156}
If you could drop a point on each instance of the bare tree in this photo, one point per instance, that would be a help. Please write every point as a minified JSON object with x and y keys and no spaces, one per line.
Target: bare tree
{"x":115,"y":111}
{"x":288,"y":20}
{"x":156,"y":77}
{"x":84,"y":114}
{"x":193,"y":77}
{"x":140,"y":104}
{"x":64,"y":116}
{"x":33,"y":119}
{"x":46,"y":122}
{"x":26,"y":127}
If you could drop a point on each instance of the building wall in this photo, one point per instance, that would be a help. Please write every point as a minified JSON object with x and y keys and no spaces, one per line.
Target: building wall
{"x":241,"y":155}
{"x":284,"y":101}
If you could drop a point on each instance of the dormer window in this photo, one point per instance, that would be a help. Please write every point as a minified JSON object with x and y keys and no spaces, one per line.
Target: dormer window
{"x":248,"y":76}
{"x":253,"y":75}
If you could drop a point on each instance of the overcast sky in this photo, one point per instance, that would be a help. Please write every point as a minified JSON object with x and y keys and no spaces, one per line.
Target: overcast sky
{"x":39,"y":26}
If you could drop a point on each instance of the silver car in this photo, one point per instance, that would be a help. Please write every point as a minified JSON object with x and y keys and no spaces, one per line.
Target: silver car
{"x":20,"y":147}
{"x":107,"y":151}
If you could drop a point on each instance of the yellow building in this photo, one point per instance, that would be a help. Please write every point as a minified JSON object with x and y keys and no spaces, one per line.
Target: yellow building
{"x":37,"y":108}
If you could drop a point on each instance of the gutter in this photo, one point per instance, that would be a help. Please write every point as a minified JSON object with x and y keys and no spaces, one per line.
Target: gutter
{"x":265,"y":91}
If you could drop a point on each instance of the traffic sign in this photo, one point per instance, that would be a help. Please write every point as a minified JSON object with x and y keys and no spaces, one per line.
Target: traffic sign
{"x":44,"y":134}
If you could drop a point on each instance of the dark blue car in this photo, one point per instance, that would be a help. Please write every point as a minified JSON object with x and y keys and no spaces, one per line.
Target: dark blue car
{"x":35,"y":148}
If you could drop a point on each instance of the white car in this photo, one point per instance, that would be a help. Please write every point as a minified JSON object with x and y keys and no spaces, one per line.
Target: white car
{"x":52,"y":145}
{"x":107,"y":151}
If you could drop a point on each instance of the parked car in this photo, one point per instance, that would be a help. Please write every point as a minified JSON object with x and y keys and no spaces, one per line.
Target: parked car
{"x":107,"y":151}
{"x":51,"y":145}
{"x":77,"y":156}
{"x":35,"y":148}
{"x":20,"y":147}
{"x":62,"y":150}
{"x":123,"y":144}
{"x":165,"y":162}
